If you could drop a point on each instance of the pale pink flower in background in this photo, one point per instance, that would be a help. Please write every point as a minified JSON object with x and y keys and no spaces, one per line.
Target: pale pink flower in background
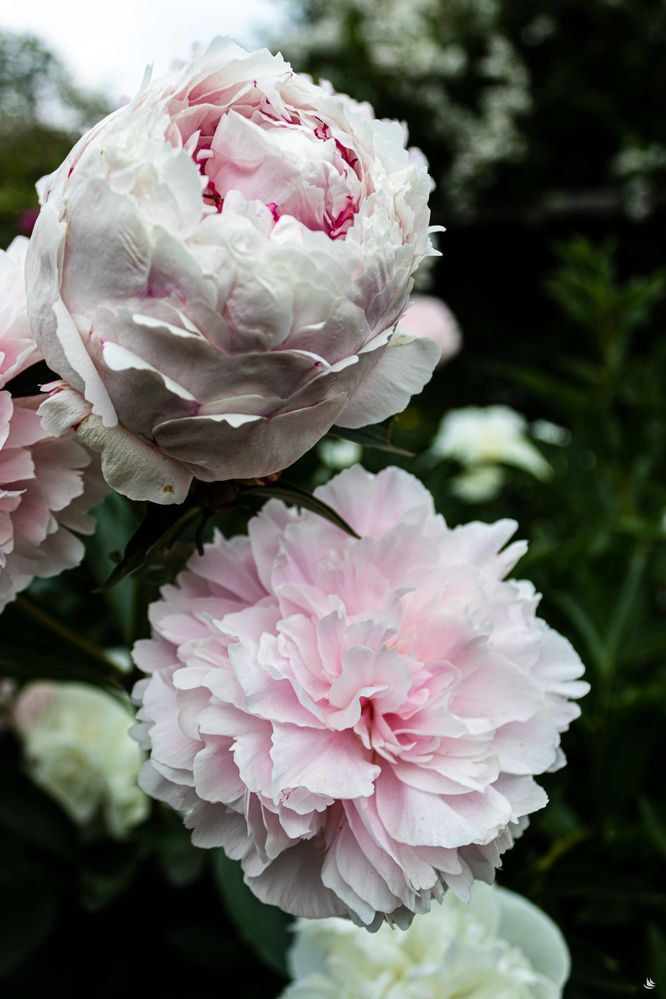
{"x":358,"y":721}
{"x":218,"y":272}
{"x":46,"y":485}
{"x":429,"y":316}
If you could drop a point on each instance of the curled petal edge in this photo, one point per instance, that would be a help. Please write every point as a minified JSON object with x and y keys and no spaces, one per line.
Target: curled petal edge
{"x":132,"y":467}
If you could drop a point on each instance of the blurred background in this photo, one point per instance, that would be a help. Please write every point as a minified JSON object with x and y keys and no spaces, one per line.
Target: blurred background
{"x":545,"y":128}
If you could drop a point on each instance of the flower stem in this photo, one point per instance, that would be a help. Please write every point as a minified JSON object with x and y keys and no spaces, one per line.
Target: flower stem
{"x":78,"y":641}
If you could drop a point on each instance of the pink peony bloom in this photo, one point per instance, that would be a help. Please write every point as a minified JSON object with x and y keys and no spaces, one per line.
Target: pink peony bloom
{"x":218,"y":272}
{"x":429,"y":316}
{"x":46,"y":485}
{"x":359,"y":722}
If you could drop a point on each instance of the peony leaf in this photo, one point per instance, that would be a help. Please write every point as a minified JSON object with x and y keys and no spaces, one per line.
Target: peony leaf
{"x":262,"y":926}
{"x":160,"y":526}
{"x":377,"y":436}
{"x":296,"y":496}
{"x":116,"y":520}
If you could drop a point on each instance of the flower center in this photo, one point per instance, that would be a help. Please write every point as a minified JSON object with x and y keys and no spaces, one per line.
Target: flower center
{"x":292,"y":163}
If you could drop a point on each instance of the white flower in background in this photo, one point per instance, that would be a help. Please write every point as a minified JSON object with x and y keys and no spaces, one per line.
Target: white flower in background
{"x":339,"y":454}
{"x":483,"y":438}
{"x":499,"y":946}
{"x":477,"y":485}
{"x":550,"y":433}
{"x":78,"y":749}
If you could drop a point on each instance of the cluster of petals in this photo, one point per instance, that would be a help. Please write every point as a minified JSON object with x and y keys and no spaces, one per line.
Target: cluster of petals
{"x":77,"y":747}
{"x":45,"y":486}
{"x":499,"y":945}
{"x":357,"y":720}
{"x":488,"y":436}
{"x":218,"y":272}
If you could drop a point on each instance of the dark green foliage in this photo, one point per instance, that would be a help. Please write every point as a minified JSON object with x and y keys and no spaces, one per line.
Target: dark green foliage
{"x":263,"y":927}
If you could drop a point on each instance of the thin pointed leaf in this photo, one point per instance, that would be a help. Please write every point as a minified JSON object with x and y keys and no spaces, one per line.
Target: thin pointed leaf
{"x":296,"y":496}
{"x":586,"y":628}
{"x":377,"y":436}
{"x":263,"y":927}
{"x":625,"y":603}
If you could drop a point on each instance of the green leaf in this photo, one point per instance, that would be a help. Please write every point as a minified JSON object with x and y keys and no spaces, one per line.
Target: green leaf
{"x":557,"y":391}
{"x":654,"y":828}
{"x":264,"y":927}
{"x":625,"y":604}
{"x":115,"y":523}
{"x":377,"y":436}
{"x":290,"y":493}
{"x":656,"y":954}
{"x":160,"y":526}
{"x":585,"y":627}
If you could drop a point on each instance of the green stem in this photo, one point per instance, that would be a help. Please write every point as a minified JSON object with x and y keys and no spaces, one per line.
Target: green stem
{"x":45,"y":619}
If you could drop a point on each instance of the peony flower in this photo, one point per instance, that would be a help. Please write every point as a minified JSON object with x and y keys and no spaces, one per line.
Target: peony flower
{"x":358,"y":721}
{"x":483,"y":439}
{"x":430,"y":317}
{"x":478,"y":484}
{"x":78,"y":749}
{"x":498,"y":946}
{"x":218,"y":272}
{"x":339,"y":454}
{"x":46,"y":485}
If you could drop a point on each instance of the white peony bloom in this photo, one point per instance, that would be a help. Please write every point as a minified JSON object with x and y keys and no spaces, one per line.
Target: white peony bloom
{"x":478,"y":484}
{"x":218,"y":273}
{"x":339,"y":454}
{"x":498,"y":946}
{"x":489,"y":436}
{"x":78,"y":749}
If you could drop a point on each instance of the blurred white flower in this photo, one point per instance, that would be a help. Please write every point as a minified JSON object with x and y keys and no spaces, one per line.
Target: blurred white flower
{"x":550,"y":433}
{"x":78,"y":749}
{"x":479,"y":484}
{"x":499,"y":946}
{"x":488,"y":436}
{"x":339,"y":454}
